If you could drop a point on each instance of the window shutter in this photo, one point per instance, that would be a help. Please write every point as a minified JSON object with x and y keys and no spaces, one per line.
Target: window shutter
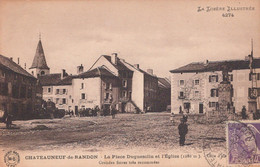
{"x":217,"y":78}
{"x":211,"y":93}
{"x":216,"y":92}
{"x":210,"y":78}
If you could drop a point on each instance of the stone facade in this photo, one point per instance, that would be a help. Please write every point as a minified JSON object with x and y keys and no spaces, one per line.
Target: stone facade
{"x":19,"y":92}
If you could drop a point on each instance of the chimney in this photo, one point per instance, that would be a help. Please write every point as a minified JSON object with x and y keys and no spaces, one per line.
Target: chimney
{"x":150,"y":71}
{"x":63,"y":74}
{"x":247,"y":58}
{"x":80,"y":69}
{"x":114,"y":58}
{"x":25,"y":66}
{"x":18,"y":61}
{"x":136,"y":66}
{"x":206,"y":62}
{"x":11,"y":58}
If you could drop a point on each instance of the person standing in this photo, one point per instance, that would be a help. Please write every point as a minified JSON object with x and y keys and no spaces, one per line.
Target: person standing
{"x":228,"y":107}
{"x":243,"y":113}
{"x":183,"y":130}
{"x":113,"y":111}
{"x":180,"y":109}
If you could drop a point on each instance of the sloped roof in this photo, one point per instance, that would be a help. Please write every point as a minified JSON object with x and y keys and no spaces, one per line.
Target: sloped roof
{"x":139,"y":69}
{"x":96,"y":72}
{"x":164,"y":83}
{"x":39,"y":60}
{"x":55,"y":79}
{"x":11,"y":65}
{"x":217,"y":66}
{"x":49,"y":79}
{"x":119,"y":65}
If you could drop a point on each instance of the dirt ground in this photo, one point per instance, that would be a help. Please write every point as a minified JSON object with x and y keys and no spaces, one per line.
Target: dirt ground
{"x":126,"y":131}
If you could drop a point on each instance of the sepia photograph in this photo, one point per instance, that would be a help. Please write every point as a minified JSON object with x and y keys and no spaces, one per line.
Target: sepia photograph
{"x":129,"y":83}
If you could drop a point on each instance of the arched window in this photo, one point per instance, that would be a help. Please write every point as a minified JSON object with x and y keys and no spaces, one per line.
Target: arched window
{"x":42,"y":72}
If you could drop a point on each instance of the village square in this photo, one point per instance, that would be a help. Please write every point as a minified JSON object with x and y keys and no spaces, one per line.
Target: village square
{"x":144,"y":83}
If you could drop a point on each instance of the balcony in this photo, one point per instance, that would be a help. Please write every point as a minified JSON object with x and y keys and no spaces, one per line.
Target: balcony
{"x":181,"y":97}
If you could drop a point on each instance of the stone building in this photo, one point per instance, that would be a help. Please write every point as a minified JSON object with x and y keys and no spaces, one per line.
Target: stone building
{"x":113,"y":80}
{"x":195,"y":87}
{"x":96,"y":87}
{"x":19,"y":92}
{"x":137,"y":88}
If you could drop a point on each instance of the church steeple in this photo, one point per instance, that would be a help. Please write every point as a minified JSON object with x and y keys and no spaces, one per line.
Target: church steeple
{"x":39,"y":64}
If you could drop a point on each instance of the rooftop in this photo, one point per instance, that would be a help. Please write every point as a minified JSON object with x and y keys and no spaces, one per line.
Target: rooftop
{"x":11,"y":65}
{"x":217,"y":66}
{"x":164,"y":83}
{"x":96,"y":72}
{"x":55,"y":79}
{"x":39,"y":60}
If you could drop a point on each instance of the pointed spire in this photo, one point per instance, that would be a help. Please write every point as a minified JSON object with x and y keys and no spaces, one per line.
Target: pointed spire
{"x":39,"y":60}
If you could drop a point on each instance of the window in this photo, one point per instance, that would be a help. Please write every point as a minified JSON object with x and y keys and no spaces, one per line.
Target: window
{"x":15,"y":77}
{"x":181,"y":82}
{"x":186,"y":105}
{"x":4,"y":89}
{"x":196,"y":94}
{"x":82,"y":85}
{"x":214,"y":93}
{"x":106,"y":96}
{"x":196,"y":82}
{"x":2,"y":73}
{"x":107,"y":86}
{"x":230,"y":77}
{"x":64,"y":91}
{"x":125,"y":83}
{"x":57,"y":100}
{"x":64,"y":101}
{"x":83,"y":96}
{"x":124,"y":94}
{"x":213,"y":104}
{"x":57,"y":91}
{"x":213,"y":78}
{"x":257,"y":76}
{"x":110,"y":86}
{"x":42,"y":72}
{"x":49,"y":90}
{"x":130,"y":94}
{"x":181,"y":95}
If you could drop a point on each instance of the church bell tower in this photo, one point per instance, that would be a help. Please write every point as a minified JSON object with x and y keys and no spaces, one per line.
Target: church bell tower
{"x":39,"y":65}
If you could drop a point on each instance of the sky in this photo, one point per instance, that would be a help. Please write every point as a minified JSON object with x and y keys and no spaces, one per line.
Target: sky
{"x":161,"y":35}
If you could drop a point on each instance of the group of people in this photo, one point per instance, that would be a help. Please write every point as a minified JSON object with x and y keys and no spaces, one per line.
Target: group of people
{"x":91,"y":112}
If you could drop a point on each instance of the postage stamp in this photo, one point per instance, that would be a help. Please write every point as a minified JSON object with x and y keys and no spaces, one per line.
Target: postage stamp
{"x":243,"y":142}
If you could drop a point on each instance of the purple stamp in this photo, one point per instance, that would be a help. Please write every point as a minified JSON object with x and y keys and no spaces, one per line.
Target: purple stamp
{"x":243,"y":142}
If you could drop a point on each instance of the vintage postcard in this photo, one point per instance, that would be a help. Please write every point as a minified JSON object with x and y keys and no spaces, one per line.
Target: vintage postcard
{"x":129,"y":83}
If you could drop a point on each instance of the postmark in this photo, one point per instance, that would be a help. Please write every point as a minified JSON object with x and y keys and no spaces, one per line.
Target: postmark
{"x":11,"y":158}
{"x":243,"y":143}
{"x":214,"y":146}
